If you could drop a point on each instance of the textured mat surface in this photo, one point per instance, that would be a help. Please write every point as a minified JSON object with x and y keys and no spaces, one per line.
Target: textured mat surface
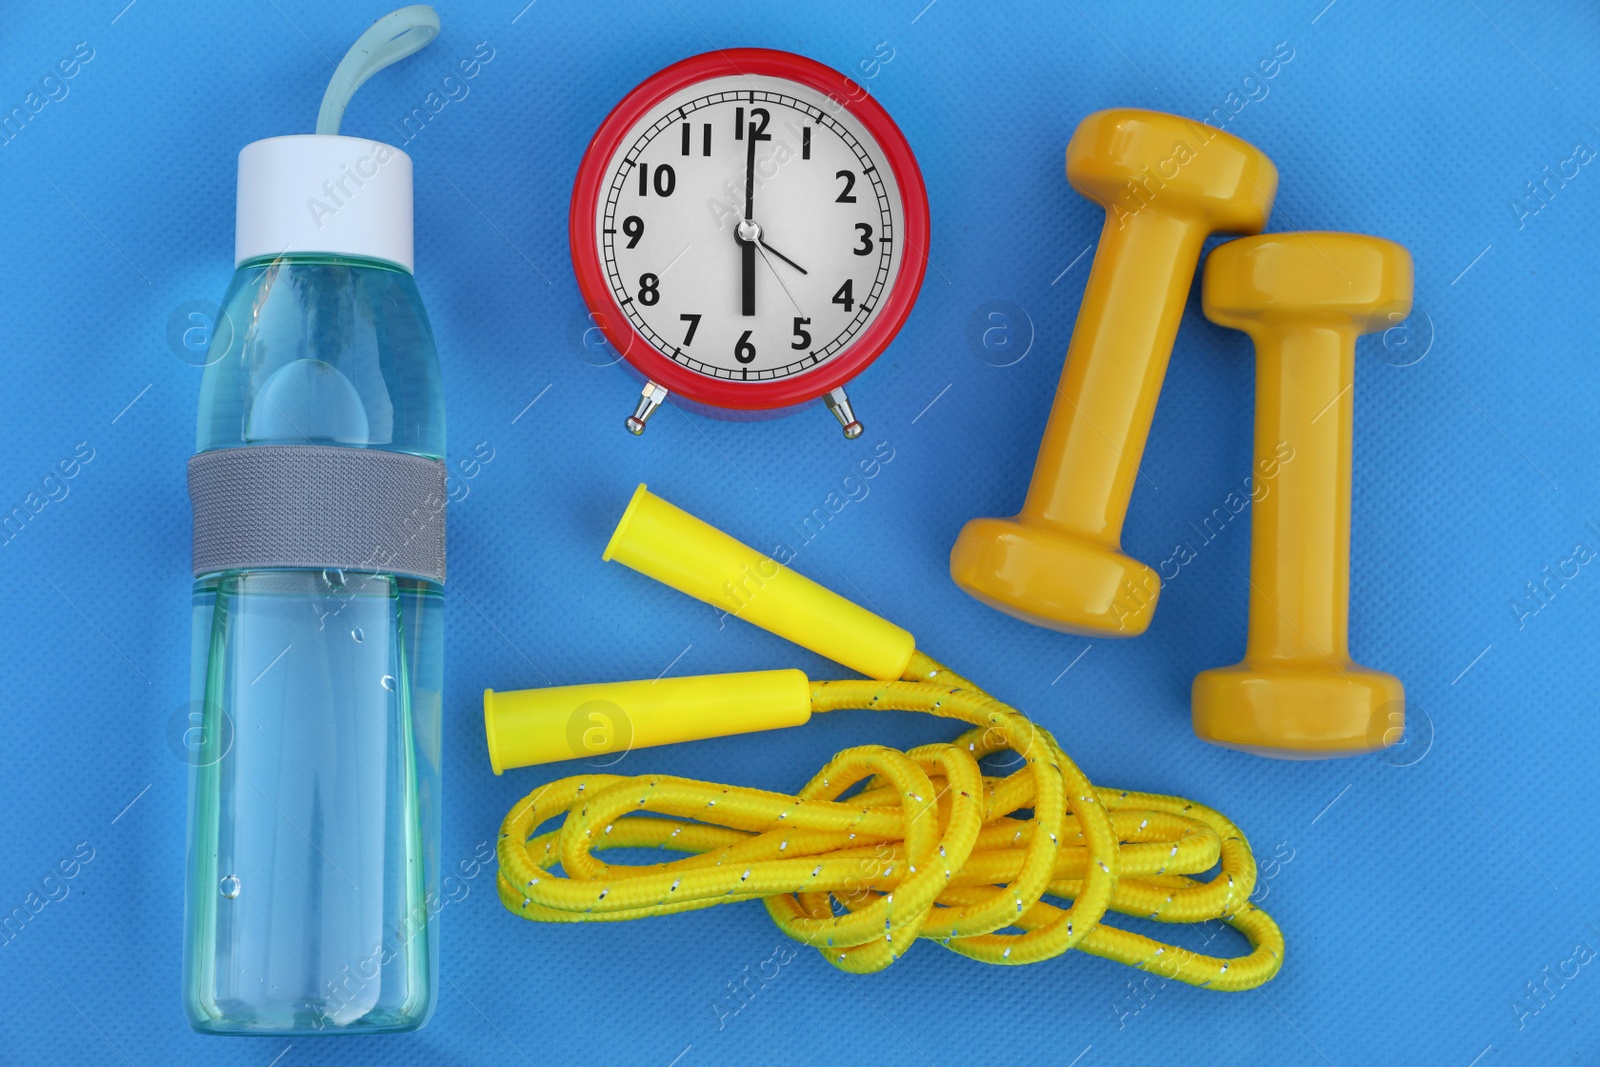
{"x":1439,"y":903}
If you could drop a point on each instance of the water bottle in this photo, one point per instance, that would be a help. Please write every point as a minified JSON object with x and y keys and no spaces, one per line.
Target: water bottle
{"x":318,"y":489}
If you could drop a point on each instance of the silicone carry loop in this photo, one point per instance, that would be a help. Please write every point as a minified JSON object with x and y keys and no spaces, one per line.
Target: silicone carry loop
{"x":389,"y":40}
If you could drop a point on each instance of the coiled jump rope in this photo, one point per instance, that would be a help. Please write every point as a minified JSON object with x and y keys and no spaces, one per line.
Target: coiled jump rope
{"x":929,"y":847}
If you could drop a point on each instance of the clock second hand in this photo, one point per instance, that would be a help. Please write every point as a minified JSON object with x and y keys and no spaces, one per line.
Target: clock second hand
{"x":780,"y":255}
{"x":765,"y":259}
{"x":751,"y":239}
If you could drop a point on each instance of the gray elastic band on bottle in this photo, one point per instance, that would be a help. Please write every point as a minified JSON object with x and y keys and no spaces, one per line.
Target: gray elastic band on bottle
{"x":318,"y":507}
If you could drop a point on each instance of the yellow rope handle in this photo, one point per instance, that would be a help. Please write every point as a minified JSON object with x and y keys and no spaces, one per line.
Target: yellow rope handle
{"x":930,"y":847}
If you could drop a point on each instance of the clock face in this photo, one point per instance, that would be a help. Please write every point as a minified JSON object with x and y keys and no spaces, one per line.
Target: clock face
{"x":751,"y":229}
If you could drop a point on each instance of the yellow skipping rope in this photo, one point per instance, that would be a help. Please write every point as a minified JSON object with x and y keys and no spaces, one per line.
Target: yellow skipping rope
{"x":930,"y":847}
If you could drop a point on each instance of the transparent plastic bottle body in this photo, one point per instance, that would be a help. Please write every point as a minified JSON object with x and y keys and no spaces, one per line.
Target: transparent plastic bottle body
{"x":314,"y":818}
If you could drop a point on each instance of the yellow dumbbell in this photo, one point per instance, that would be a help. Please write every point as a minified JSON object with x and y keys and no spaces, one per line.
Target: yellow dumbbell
{"x":1166,"y":183}
{"x":1303,"y":298}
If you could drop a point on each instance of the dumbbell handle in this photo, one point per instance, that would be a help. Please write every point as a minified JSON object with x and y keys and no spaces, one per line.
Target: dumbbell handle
{"x":1100,"y":419}
{"x":1300,"y":529}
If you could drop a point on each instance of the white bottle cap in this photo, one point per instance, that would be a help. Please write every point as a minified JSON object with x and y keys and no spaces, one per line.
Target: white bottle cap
{"x":316,"y":193}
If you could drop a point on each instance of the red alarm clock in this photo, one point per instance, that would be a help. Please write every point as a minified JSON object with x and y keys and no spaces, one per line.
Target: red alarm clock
{"x":749,"y":229}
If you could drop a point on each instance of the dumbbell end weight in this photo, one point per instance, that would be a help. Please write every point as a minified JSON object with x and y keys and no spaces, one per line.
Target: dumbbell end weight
{"x":1052,"y":578}
{"x":1299,"y":711}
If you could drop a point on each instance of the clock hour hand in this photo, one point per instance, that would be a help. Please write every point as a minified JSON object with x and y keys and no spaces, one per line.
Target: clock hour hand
{"x":747,"y":278}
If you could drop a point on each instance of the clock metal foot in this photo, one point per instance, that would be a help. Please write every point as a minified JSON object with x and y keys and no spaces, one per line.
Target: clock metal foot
{"x":649,"y":399}
{"x":839,"y":404}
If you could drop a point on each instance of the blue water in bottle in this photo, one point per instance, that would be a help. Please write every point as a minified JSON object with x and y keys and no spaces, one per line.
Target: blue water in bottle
{"x":314,"y":798}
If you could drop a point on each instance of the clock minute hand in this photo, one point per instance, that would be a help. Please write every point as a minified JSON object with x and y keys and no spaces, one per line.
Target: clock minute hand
{"x":750,"y":174}
{"x":747,"y":247}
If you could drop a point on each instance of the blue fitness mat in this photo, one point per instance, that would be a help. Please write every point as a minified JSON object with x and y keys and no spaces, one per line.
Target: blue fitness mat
{"x":1438,"y":900}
